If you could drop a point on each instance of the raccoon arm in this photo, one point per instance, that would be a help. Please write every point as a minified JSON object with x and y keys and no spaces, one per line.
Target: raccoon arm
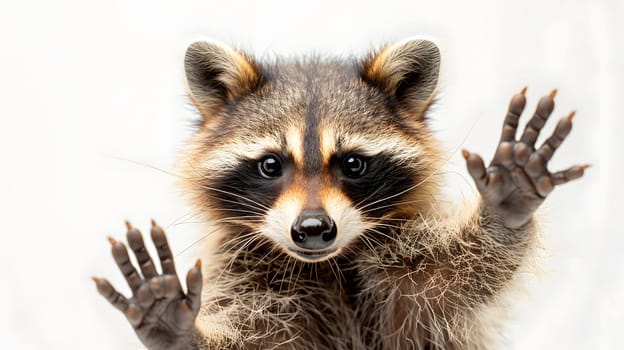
{"x":477,"y":259}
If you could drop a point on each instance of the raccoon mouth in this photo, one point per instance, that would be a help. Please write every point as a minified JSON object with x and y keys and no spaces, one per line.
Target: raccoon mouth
{"x":313,"y":255}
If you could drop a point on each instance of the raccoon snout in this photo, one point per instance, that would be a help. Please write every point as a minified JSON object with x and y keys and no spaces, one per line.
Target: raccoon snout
{"x":313,"y":229}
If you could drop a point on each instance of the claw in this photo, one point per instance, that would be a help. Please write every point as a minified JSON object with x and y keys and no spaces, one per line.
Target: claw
{"x":95,"y":279}
{"x":553,"y":93}
{"x":198,"y":264}
{"x":571,"y":115}
{"x":524,"y":90}
{"x":128,"y":225}
{"x":465,"y":153}
{"x":153,"y":222}
{"x":586,"y":166}
{"x":111,"y":240}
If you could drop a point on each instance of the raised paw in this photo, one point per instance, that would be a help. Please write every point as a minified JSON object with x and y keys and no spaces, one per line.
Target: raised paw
{"x":518,"y":180}
{"x":161,"y":314}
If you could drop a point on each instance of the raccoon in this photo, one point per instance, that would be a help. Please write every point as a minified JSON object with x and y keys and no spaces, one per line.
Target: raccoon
{"x":321,"y":180}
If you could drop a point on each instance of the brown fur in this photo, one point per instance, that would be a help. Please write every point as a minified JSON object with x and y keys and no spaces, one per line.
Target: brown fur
{"x":412,"y":277}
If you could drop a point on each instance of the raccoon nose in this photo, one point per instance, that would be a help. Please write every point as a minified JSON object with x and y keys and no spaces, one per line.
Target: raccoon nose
{"x":313,"y":229}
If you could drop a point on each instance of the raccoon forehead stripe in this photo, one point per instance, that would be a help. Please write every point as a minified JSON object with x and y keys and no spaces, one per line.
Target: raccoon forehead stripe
{"x":223,"y":158}
{"x":397,"y":146}
{"x":294,"y":141}
{"x":327,"y":143}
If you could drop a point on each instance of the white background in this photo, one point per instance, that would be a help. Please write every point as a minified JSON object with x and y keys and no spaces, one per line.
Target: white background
{"x":82,"y":85}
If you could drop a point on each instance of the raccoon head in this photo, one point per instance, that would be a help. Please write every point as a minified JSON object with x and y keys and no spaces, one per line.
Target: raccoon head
{"x":313,"y":154}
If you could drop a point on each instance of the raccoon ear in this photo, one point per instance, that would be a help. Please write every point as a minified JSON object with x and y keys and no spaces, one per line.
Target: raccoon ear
{"x":408,"y":71}
{"x":218,"y":74}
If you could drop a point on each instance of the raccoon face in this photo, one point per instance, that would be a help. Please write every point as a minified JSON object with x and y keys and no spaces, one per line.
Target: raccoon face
{"x":315,"y":154}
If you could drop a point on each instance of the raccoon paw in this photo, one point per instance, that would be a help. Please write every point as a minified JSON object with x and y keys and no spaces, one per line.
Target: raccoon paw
{"x":162,"y":315}
{"x":517,"y":180}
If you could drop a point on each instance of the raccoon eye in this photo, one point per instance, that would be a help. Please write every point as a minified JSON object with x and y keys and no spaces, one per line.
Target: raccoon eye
{"x":270,"y":166}
{"x":353,"y":166}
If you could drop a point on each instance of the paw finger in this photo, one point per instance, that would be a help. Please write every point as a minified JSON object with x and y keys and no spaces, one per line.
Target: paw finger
{"x":516,"y":106}
{"x":562,"y":130}
{"x":476,"y":168}
{"x":545,"y":107}
{"x":194,"y":285}
{"x":564,"y":176}
{"x":109,"y":293}
{"x":120,"y":254}
{"x":135,"y":241}
{"x":164,"y":252}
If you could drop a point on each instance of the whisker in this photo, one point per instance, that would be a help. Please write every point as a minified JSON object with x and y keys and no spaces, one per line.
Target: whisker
{"x":182,"y":218}
{"x":367,"y":242}
{"x":394,"y":239}
{"x":394,"y":204}
{"x":146,"y":165}
{"x":248,"y":239}
{"x":239,"y":211}
{"x":245,"y":223}
{"x":242,"y":218}
{"x":388,"y":225}
{"x":260,"y":205}
{"x":367,"y":197}
{"x":227,"y":219}
{"x":195,"y":242}
{"x":332,"y":270}
{"x":234,"y":202}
